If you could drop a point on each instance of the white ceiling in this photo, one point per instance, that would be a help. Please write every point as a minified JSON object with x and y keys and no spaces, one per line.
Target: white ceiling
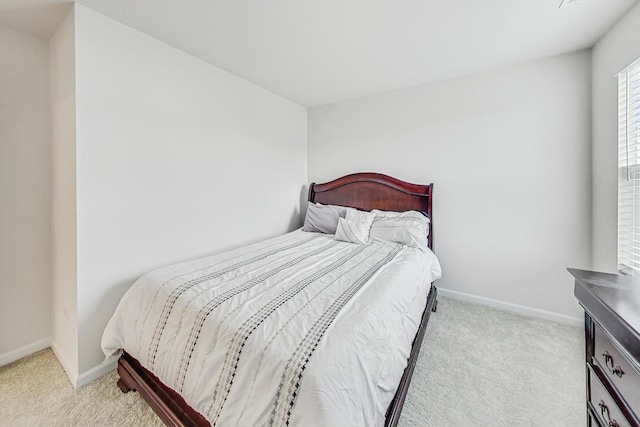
{"x":39,"y":17}
{"x":324,"y":51}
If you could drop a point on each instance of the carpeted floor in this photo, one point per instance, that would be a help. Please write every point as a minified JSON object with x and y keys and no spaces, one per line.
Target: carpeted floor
{"x":483,"y":367}
{"x":478,"y":367}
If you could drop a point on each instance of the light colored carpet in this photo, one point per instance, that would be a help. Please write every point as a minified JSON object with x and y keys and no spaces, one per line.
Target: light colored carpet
{"x":483,"y":367}
{"x":478,"y":367}
{"x":35,"y":391}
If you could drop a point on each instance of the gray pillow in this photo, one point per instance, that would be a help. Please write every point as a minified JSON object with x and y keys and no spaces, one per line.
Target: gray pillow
{"x":323,"y":218}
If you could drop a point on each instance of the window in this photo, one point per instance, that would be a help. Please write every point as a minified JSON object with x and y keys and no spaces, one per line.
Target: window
{"x":629,"y":169}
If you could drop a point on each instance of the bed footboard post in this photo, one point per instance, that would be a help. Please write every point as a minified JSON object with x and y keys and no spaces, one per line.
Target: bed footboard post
{"x":126,"y":383}
{"x":124,"y":387}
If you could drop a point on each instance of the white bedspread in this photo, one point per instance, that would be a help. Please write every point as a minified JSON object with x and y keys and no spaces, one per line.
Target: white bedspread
{"x":300,"y":329}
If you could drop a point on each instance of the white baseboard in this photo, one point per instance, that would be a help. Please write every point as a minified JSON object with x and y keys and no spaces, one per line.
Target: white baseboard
{"x":514,"y":308}
{"x":84,"y":378}
{"x":96,"y":372}
{"x":25,"y":351}
{"x":71,"y":374}
{"x":76,"y":380}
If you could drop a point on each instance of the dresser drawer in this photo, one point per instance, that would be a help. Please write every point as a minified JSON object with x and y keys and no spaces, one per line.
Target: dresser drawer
{"x":624,"y":377}
{"x":608,"y":413}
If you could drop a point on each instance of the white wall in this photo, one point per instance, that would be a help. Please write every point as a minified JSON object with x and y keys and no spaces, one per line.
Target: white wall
{"x":24,"y":193}
{"x":617,"y":49}
{"x":509,"y":153}
{"x":176,"y":159}
{"x":64,"y":332}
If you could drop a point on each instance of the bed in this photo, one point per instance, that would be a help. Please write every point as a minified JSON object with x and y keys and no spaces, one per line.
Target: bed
{"x":309,"y":303}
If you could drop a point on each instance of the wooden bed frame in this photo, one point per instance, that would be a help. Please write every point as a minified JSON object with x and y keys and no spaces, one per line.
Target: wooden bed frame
{"x":364,"y":191}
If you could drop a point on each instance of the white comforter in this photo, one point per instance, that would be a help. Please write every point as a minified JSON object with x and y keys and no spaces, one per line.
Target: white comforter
{"x":300,"y":329}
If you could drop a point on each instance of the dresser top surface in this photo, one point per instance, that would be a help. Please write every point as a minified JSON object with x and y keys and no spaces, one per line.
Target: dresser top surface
{"x":614,"y":294}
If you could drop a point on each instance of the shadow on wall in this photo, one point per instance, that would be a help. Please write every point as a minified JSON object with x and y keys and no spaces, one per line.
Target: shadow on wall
{"x":297,"y":218}
{"x":112,"y":298}
{"x":100,"y":315}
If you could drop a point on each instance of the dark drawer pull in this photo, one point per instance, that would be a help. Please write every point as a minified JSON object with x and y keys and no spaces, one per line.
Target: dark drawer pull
{"x":608,"y":361}
{"x":604,"y":411}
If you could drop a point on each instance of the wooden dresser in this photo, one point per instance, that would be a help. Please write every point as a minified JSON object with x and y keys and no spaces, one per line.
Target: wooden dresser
{"x":612,"y":324}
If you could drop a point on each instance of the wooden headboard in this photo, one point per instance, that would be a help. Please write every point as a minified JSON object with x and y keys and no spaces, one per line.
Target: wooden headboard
{"x":367,"y":191}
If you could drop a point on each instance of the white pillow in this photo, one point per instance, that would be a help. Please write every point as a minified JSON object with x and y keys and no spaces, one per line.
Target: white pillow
{"x":409,"y":228}
{"x":355,"y":227}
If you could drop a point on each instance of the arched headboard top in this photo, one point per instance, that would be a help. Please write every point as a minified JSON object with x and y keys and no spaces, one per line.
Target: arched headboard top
{"x":367,"y":191}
